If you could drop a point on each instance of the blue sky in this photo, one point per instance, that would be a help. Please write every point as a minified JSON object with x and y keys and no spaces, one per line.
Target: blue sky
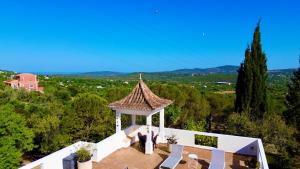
{"x":143,"y":35}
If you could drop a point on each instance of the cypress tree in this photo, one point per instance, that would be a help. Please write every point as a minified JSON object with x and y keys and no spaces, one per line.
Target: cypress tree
{"x":248,"y":81}
{"x":258,"y":102}
{"x":239,"y":90}
{"x":243,"y":85}
{"x":251,"y":94}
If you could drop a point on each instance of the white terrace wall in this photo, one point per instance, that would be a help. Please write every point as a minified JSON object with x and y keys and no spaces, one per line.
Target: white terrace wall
{"x":99,"y":151}
{"x":261,"y":156}
{"x":234,"y":144}
{"x":54,"y":160}
{"x":111,"y":144}
{"x":229,"y":143}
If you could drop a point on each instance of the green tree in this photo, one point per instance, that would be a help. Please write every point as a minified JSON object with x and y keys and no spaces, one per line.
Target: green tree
{"x":45,"y":123}
{"x":89,"y":118}
{"x":15,"y":138}
{"x":240,"y":124}
{"x":116,"y":93}
{"x":172,"y":115}
{"x":240,"y":90}
{"x":221,"y":105}
{"x":292,"y":115}
{"x":196,"y":105}
{"x":279,"y":142}
{"x":244,"y":84}
{"x":276,"y":135}
{"x":259,"y":91}
{"x":251,"y":94}
{"x":6,"y":95}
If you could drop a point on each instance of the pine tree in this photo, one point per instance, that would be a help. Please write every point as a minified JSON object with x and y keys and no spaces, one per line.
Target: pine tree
{"x":251,"y":82}
{"x":292,"y":115}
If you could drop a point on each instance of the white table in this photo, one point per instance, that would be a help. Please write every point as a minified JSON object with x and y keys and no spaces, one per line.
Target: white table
{"x":193,"y":161}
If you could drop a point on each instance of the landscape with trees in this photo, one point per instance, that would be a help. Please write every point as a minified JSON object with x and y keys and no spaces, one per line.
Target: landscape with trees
{"x":255,"y":103}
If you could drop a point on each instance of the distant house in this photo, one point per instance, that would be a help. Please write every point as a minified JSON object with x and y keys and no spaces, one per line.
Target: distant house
{"x":26,"y":81}
{"x":223,"y":83}
{"x":99,"y":87}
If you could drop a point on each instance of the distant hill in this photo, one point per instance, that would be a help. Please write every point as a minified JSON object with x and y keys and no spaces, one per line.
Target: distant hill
{"x":99,"y":74}
{"x":281,"y":71}
{"x":7,"y":71}
{"x":227,"y":69}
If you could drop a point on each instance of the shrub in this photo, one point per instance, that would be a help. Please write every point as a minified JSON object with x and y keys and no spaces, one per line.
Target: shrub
{"x":240,"y":124}
{"x":206,"y":140}
{"x":83,"y":155}
{"x":194,"y":125}
{"x":172,"y":139}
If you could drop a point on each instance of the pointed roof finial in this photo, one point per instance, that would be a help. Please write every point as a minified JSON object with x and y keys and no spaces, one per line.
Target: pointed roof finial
{"x":140,"y":76}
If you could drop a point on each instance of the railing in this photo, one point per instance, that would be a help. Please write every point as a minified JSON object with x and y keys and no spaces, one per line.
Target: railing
{"x":228,"y":143}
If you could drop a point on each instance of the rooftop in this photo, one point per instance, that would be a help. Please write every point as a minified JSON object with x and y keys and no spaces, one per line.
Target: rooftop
{"x":133,"y":158}
{"x":141,"y":98}
{"x":118,"y":151}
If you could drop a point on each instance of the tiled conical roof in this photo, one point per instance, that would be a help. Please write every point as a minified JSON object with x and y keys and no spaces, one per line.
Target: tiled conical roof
{"x":141,"y":98}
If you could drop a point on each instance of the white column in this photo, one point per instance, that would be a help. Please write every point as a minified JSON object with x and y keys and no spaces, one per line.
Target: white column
{"x":162,"y":126}
{"x":133,"y":119}
{"x":149,"y":144}
{"x":118,"y":122}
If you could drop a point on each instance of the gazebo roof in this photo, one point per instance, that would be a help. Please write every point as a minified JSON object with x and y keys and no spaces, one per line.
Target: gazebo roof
{"x":141,"y":98}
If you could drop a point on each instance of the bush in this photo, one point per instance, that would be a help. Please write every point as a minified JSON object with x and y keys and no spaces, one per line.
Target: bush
{"x":83,"y":155}
{"x":172,"y":139}
{"x":241,"y":125}
{"x":194,"y":125}
{"x":206,"y":140}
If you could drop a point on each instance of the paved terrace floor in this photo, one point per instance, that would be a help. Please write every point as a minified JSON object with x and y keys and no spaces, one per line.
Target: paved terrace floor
{"x":133,"y":158}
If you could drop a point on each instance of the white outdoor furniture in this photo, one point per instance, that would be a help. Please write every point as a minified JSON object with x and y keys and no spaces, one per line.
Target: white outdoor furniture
{"x":217,"y":160}
{"x":193,"y":161}
{"x":133,"y":131}
{"x":174,"y":158}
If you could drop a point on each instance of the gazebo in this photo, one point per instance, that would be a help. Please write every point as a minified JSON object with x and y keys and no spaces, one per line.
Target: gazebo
{"x":142,"y":101}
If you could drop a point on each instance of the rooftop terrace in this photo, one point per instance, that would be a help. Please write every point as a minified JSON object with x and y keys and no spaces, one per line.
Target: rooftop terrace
{"x":119,"y":151}
{"x":133,"y":158}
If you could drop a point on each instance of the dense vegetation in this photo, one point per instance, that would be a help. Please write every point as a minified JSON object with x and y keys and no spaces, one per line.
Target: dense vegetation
{"x":56,"y":118}
{"x":34,"y":124}
{"x":252,"y":115}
